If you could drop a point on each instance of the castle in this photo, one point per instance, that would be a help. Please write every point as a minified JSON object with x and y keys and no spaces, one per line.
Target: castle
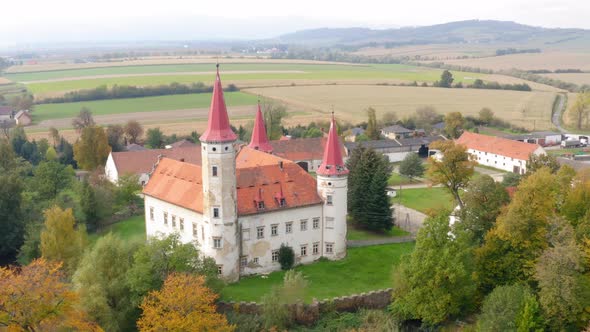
{"x":242,"y":202}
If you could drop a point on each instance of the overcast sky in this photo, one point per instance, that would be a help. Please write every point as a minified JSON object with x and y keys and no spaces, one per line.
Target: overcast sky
{"x":83,"y":20}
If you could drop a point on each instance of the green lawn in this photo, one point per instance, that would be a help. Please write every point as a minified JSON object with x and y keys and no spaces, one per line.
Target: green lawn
{"x":396,"y":179}
{"x":169,"y":74}
{"x":130,"y":105}
{"x":576,"y":151}
{"x":424,"y":199}
{"x":132,"y":229}
{"x":364,"y":269}
{"x":353,"y":233}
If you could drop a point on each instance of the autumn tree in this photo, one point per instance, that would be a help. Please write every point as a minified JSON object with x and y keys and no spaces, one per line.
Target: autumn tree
{"x":372,"y":131}
{"x":536,"y":162}
{"x":486,"y":116}
{"x":454,"y":123}
{"x":580,"y":111}
{"x":510,"y":308}
{"x":275,"y":304}
{"x":273,"y":114}
{"x":434,"y":282}
{"x":115,"y":135}
{"x":133,"y":131}
{"x":183,"y":304}
{"x":35,"y":298}
{"x":54,"y":135}
{"x":576,"y":206}
{"x":92,"y":149}
{"x":83,"y":120}
{"x":101,"y":281}
{"x":453,"y":170}
{"x":388,"y":118}
{"x":426,"y":117}
{"x":60,"y":240}
{"x":411,"y":166}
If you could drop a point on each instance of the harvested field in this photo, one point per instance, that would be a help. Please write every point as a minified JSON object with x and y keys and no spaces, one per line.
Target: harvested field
{"x":438,"y":51}
{"x":526,"y":109}
{"x":504,"y":79}
{"x":576,"y":78}
{"x":4,"y":80}
{"x":530,"y":61}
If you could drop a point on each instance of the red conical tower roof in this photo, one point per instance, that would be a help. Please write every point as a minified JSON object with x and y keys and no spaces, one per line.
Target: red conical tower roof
{"x":259,"y":139}
{"x":218,"y":129}
{"x":332,"y":164}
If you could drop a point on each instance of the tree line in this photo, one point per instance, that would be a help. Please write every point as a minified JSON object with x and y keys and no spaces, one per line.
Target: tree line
{"x":128,"y":91}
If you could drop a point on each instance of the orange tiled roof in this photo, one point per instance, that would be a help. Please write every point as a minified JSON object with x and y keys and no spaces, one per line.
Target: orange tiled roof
{"x":142,"y":161}
{"x":258,"y":175}
{"x":497,"y":145}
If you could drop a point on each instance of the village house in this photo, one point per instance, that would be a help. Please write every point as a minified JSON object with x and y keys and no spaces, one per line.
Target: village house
{"x":241,"y":203}
{"x":396,"y":131}
{"x":397,"y":149}
{"x":498,"y":152}
{"x":23,"y":118}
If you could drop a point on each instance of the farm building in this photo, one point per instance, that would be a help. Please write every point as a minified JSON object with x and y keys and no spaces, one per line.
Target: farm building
{"x":396,"y":131}
{"x":543,"y":138}
{"x":241,"y":203}
{"x":498,"y":152}
{"x":397,"y":149}
{"x":23,"y":118}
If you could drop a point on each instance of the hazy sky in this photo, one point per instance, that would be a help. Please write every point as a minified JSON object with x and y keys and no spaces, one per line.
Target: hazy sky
{"x":82,"y":20}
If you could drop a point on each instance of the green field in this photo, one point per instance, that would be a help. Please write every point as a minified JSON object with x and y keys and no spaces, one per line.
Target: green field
{"x":397,"y":179}
{"x":425,"y":199}
{"x":364,"y":269}
{"x":357,"y":234}
{"x":132,"y":229}
{"x":130,"y":105}
{"x":171,"y":73}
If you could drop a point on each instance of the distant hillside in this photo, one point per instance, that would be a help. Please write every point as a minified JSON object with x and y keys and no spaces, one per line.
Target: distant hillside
{"x":473,"y":31}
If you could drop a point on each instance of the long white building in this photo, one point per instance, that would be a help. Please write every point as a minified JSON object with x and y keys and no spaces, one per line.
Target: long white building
{"x":241,"y":203}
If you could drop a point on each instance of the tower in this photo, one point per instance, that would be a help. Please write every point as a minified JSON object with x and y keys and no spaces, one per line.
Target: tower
{"x":332,"y":186}
{"x":218,"y":169}
{"x":259,"y":140}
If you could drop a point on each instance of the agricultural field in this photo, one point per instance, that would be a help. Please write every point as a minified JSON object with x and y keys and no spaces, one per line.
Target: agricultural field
{"x":529,"y":61}
{"x":576,"y":78}
{"x":526,"y":109}
{"x":433,"y":51}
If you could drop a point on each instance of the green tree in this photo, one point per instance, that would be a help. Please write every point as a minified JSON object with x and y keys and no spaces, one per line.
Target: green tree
{"x":411,"y":166}
{"x":51,"y":154}
{"x":89,"y":205}
{"x":372,"y":131}
{"x":127,"y":189}
{"x":453,"y":170}
{"x":454,"y":123}
{"x":11,"y":220}
{"x":486,"y":116}
{"x":483,"y":199}
{"x":52,"y":177}
{"x":446,"y":79}
{"x":564,"y":289}
{"x":275,"y":305}
{"x":101,"y":281}
{"x":60,"y":240}
{"x":580,"y":111}
{"x":286,"y":257}
{"x":153,"y":262}
{"x":511,"y":179}
{"x":434,"y":282}
{"x":92,"y":149}
{"x":368,"y":203}
{"x":510,"y":308}
{"x":155,"y":138}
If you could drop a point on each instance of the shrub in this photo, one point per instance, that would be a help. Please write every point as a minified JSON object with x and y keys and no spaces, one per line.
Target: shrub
{"x":286,"y":257}
{"x":509,"y":308}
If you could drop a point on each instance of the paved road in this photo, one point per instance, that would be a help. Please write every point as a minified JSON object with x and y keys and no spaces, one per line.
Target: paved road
{"x":408,"y":219}
{"x":556,"y":115}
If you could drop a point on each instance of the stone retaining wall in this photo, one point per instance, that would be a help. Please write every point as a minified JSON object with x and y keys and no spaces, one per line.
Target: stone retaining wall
{"x":307,"y":314}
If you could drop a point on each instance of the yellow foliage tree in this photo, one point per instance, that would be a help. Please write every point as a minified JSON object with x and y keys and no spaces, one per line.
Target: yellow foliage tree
{"x":35,"y":298}
{"x":183,"y":304}
{"x":92,"y":149}
{"x":60,"y":241}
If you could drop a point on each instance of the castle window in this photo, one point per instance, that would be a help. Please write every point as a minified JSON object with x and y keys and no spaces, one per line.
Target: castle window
{"x":166,"y":218}
{"x":181,"y":224}
{"x":274,"y":230}
{"x":151,"y":213}
{"x":215,"y":212}
{"x":289,"y":227}
{"x":260,"y":232}
{"x":282,"y":202}
{"x":260,"y":205}
{"x":243,"y":261}
{"x":214,"y":171}
{"x":304,"y":250}
{"x":316,"y":248}
{"x":329,"y":248}
{"x":316,"y":223}
{"x":329,"y":199}
{"x":303,"y":225}
{"x":219,"y":269}
{"x":255,"y":260}
{"x":275,"y":255}
{"x":194,"y":230}
{"x":173,"y":221}
{"x":217,"y":242}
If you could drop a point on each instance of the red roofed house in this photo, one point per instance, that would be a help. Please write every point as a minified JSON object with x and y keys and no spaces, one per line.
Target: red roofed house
{"x":498,"y":152}
{"x":240,"y":203}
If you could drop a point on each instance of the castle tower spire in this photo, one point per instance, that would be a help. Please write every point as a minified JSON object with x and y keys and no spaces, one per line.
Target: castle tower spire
{"x":218,"y":128}
{"x":332,"y":163}
{"x":259,"y":140}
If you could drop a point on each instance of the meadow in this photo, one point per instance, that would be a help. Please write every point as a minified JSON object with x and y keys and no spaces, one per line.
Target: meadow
{"x":425,"y":199}
{"x":526,"y":109}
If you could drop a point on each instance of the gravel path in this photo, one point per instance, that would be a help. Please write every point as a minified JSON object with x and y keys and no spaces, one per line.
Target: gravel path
{"x":556,"y":116}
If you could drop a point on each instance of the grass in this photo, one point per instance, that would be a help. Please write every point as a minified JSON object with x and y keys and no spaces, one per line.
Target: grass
{"x":364,"y":269}
{"x":132,"y":229}
{"x":526,"y":109}
{"x":130,"y":105}
{"x":397,"y":179}
{"x":358,"y":234}
{"x":425,"y":199}
{"x":575,"y":151}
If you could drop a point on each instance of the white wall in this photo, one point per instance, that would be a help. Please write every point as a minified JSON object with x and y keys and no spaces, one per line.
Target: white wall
{"x":110,"y":170}
{"x":335,"y":214}
{"x":501,"y":162}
